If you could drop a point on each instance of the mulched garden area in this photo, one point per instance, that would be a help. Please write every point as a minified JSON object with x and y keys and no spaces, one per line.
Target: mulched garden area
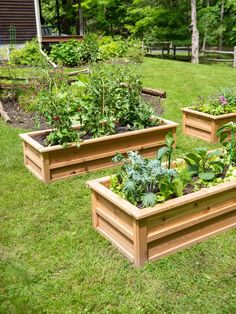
{"x":25,"y":119}
{"x":21,"y":118}
{"x":155,"y":102}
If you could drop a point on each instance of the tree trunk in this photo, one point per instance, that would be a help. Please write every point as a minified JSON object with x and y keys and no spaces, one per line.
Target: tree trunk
{"x":206,"y":30}
{"x":81,"y":21}
{"x":222,"y":10}
{"x":195,"y":33}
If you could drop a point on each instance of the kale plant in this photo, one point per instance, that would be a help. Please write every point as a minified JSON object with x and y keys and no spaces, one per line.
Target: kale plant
{"x":145,"y":182}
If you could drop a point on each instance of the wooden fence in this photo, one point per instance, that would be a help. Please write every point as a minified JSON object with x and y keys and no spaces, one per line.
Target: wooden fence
{"x":167,"y":50}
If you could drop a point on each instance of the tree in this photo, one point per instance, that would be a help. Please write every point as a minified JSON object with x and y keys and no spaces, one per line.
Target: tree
{"x":195,"y":33}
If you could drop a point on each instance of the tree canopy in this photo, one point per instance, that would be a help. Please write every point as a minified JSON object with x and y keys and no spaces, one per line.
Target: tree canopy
{"x":151,"y":20}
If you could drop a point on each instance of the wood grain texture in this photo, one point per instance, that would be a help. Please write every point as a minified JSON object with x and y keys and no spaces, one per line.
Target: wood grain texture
{"x":21,"y":15}
{"x":93,"y":154}
{"x":203,"y":125}
{"x":165,"y":228}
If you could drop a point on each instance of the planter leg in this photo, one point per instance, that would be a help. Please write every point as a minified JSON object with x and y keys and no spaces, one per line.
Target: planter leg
{"x":45,"y":168}
{"x":140,"y":242}
{"x":94,"y":214}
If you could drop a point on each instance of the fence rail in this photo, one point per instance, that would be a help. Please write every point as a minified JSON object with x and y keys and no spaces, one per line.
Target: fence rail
{"x":169,"y":50}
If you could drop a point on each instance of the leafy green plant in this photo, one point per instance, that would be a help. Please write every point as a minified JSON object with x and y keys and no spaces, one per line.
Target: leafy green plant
{"x":227,"y":135}
{"x":67,"y":53}
{"x":58,"y":107}
{"x":203,"y":164}
{"x":167,"y":150}
{"x":28,"y":55}
{"x":112,"y":47}
{"x":112,"y":100}
{"x":144,"y":182}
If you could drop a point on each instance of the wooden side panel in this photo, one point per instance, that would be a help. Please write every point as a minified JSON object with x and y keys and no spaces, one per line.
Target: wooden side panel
{"x":182,"y":226}
{"x":170,"y":221}
{"x":33,"y":161}
{"x":114,"y":224}
{"x":197,"y":126}
{"x":107,"y":148}
{"x":186,"y":237}
{"x":115,"y":216}
{"x":89,"y":166}
{"x":74,"y":161}
{"x":203,"y":127}
{"x":199,"y":122}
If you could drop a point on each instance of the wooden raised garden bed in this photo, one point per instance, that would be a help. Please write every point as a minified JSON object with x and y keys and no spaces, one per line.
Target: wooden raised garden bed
{"x":149,"y":234}
{"x":204,"y":125}
{"x":57,"y":162}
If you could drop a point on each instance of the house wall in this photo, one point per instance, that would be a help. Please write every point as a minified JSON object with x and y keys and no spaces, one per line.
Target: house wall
{"x":21,"y":15}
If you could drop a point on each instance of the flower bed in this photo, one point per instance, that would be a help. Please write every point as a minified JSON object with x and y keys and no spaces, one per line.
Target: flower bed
{"x":57,"y":162}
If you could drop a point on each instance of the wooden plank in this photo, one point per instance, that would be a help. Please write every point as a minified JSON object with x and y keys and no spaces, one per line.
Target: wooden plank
{"x":189,"y":236}
{"x":94,"y":202}
{"x":110,"y":154}
{"x":4,"y":114}
{"x":121,"y":227}
{"x":116,"y":237}
{"x":140,"y":242}
{"x":189,"y":221}
{"x":153,"y":92}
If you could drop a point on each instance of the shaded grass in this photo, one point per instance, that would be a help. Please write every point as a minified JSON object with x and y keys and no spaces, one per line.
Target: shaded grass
{"x":52,"y":261}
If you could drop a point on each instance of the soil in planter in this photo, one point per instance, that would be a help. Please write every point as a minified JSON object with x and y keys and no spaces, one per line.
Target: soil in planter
{"x":41,"y":139}
{"x":21,"y":118}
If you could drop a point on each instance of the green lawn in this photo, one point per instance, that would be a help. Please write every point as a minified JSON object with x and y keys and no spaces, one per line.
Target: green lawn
{"x":52,"y":261}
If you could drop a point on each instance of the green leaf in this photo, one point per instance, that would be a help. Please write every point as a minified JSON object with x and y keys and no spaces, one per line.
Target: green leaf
{"x":149,"y":200}
{"x":169,"y":140}
{"x":178,"y":187}
{"x":206,"y":176}
{"x":162,"y":152}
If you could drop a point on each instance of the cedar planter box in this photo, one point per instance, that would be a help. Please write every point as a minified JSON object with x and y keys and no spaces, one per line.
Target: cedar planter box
{"x":56,"y":162}
{"x":149,"y":234}
{"x":204,"y":125}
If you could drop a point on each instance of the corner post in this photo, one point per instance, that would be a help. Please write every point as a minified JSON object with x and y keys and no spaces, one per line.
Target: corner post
{"x":45,"y":168}
{"x":140,"y":242}
{"x":94,"y":206}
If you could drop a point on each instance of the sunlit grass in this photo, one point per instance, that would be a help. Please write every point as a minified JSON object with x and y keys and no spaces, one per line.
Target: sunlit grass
{"x":52,"y":261}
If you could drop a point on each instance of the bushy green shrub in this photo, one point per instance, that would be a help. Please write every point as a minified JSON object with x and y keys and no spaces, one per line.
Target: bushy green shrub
{"x":112,"y":47}
{"x":90,"y":48}
{"x":67,"y":53}
{"x":28,"y":55}
{"x":74,"y":52}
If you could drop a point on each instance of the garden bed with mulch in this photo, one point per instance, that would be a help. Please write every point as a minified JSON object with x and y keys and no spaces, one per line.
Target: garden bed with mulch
{"x":20,"y":118}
